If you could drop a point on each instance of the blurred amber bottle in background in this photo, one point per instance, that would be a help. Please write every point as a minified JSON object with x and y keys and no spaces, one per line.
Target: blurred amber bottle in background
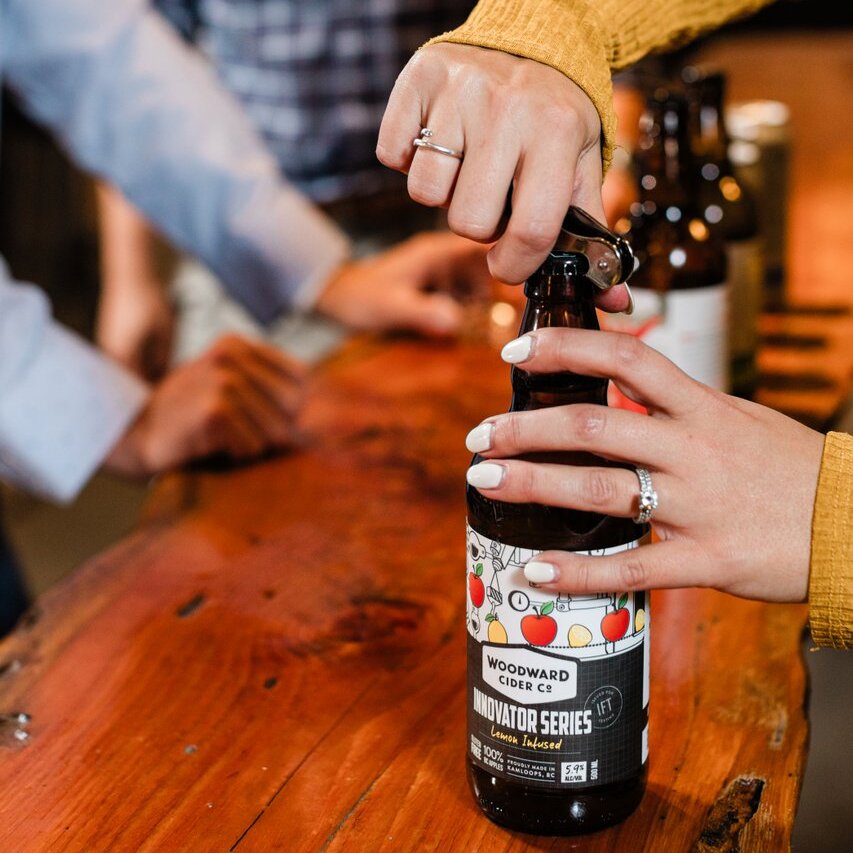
{"x":728,"y":208}
{"x":680,"y":289}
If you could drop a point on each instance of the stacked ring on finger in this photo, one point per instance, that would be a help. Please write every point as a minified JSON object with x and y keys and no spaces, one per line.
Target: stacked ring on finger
{"x":647,"y":500}
{"x":423,"y":141}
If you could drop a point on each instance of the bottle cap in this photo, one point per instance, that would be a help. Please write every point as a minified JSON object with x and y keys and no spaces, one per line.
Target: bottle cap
{"x":565,"y":263}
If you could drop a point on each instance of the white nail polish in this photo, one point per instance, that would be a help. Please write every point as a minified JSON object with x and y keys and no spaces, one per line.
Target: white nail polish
{"x":518,"y":350}
{"x":630,"y":309}
{"x":541,"y":572}
{"x":480,"y":438}
{"x":486,"y":475}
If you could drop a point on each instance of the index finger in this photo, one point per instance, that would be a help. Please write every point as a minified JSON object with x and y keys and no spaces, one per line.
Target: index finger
{"x":402,"y":120}
{"x":547,"y":182}
{"x":643,"y":373}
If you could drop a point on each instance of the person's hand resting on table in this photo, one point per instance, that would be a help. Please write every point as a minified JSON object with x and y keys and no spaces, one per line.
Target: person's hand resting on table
{"x":239,"y":399}
{"x":736,"y":481}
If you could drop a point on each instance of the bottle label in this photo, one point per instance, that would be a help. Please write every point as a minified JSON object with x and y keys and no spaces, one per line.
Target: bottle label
{"x":558,"y":685}
{"x":688,"y":326}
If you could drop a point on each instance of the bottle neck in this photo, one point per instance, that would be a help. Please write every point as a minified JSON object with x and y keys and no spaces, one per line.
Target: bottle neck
{"x":664,"y":156}
{"x":558,"y":296}
{"x":707,"y":96}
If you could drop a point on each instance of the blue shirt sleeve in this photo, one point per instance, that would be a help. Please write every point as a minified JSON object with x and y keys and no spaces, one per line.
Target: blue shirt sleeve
{"x":63,"y":406}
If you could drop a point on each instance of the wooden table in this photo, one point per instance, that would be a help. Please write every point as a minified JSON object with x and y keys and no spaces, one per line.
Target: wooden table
{"x":275,"y":659}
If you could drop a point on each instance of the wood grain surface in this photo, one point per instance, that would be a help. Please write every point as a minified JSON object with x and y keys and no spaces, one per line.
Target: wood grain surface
{"x":275,"y":660}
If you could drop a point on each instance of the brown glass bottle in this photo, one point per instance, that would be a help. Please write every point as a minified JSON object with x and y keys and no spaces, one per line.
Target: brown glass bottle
{"x":680,"y":289}
{"x":596,"y":777}
{"x":727,"y":207}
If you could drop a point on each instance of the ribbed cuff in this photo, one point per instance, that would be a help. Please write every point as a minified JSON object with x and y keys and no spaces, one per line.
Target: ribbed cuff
{"x":830,"y":587}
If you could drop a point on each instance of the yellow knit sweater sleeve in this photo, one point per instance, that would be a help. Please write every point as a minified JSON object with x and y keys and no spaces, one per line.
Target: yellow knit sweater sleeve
{"x":587,"y":39}
{"x":831,"y":579}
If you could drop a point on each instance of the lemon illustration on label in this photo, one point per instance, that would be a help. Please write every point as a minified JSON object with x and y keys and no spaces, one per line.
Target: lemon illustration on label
{"x":640,"y":620}
{"x":579,"y":636}
{"x":496,"y":632}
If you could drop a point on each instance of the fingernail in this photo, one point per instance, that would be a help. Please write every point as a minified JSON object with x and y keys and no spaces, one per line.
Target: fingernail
{"x":630,"y":308}
{"x":541,"y":572}
{"x":518,"y":350}
{"x":485,"y":475}
{"x":480,"y":438}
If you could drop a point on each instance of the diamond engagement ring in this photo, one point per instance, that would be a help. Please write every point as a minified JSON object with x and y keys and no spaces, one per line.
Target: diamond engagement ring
{"x":423,"y":141}
{"x":647,"y":502}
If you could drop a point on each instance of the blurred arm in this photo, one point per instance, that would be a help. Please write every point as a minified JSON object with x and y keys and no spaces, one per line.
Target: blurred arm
{"x":126,"y":240}
{"x":136,"y":106}
{"x":136,"y":321}
{"x":62,"y":406}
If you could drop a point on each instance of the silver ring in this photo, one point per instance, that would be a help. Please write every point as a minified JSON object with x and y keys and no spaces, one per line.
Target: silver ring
{"x":647,"y":502}
{"x":423,"y":142}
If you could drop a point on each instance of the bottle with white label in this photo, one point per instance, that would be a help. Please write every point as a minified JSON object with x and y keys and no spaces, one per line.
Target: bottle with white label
{"x":680,"y":290}
{"x":728,"y":207}
{"x":558,"y":687}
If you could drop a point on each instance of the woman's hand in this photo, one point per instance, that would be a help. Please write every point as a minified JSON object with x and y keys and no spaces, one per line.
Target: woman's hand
{"x":736,"y":481}
{"x":524,"y":129}
{"x":240,"y":399}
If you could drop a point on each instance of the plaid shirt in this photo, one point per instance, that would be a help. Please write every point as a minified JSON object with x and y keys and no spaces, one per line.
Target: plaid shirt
{"x":315,"y":75}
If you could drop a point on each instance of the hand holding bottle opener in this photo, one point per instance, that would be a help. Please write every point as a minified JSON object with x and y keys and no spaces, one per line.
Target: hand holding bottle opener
{"x":611,"y":260}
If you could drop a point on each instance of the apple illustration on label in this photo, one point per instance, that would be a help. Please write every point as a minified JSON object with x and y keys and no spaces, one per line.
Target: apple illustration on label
{"x":539,"y":629}
{"x":614,"y":625}
{"x":476,"y":588}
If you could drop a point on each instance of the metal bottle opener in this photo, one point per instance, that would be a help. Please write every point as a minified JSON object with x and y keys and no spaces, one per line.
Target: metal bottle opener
{"x":611,"y":259}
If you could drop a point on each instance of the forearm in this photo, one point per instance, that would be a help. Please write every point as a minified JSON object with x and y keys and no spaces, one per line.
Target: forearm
{"x":588,"y":39}
{"x":126,"y":242}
